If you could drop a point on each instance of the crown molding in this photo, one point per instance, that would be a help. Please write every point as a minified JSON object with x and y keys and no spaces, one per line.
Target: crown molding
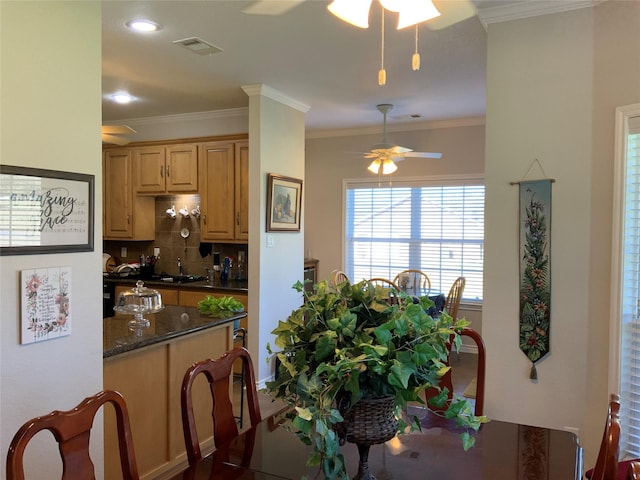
{"x":530,"y":8}
{"x":272,"y":93}
{"x":184,"y":117}
{"x":397,"y":127}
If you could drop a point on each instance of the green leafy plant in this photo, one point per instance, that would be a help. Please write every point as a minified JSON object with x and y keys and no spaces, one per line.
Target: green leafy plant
{"x":218,"y":305}
{"x":352,"y":340}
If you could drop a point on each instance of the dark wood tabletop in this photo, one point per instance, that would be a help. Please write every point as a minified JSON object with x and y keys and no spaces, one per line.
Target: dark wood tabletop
{"x":503,"y":451}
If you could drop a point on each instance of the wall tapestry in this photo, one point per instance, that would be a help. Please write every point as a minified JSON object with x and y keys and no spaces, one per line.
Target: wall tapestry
{"x":535,"y":269}
{"x":46,"y":302}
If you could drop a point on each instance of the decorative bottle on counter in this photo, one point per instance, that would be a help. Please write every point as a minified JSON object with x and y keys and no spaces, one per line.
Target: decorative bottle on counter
{"x":242,"y":270}
{"x":224,"y":274}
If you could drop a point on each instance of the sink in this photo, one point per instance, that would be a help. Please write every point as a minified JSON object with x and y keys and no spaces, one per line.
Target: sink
{"x":181,"y":278}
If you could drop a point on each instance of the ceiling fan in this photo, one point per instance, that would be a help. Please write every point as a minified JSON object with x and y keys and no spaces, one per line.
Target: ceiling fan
{"x":112,"y":134}
{"x":451,"y":12}
{"x":385,"y":154}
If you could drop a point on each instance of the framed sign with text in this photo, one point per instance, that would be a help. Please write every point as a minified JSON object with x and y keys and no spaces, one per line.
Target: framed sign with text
{"x":45,"y":211}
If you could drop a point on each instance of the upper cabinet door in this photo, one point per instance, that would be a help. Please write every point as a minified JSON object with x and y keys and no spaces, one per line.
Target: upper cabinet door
{"x":242,"y":191}
{"x":117,"y":210}
{"x":148,"y":169}
{"x":181,"y":169}
{"x":163,"y":170}
{"x":217,"y":218}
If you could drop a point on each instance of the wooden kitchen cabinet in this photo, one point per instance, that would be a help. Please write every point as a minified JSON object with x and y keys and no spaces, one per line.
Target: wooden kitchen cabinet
{"x":224,"y":191}
{"x":242,"y":191}
{"x":150,"y":379}
{"x":125,"y":215}
{"x":167,"y":169}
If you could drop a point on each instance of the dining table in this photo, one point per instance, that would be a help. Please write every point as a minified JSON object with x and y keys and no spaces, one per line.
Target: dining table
{"x":502,"y":451}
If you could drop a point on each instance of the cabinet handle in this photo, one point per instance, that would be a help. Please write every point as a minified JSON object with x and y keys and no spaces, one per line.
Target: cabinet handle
{"x":128,"y":219}
{"x":161,"y":171}
{"x":168,"y":170}
{"x":238,"y":218}
{"x":204,"y":218}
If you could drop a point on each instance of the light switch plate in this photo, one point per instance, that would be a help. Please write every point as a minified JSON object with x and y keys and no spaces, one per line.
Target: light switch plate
{"x":123,"y":252}
{"x":269,"y":240}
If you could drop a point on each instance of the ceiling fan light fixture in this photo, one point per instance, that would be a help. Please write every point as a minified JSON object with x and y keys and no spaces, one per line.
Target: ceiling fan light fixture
{"x":355,"y":12}
{"x":388,"y":166}
{"x":411,"y":12}
{"x":384,"y":166}
{"x":374,"y":167}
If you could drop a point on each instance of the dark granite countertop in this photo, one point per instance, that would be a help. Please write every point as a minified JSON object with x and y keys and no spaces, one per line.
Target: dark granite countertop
{"x":169,"y":323}
{"x":233,"y":285}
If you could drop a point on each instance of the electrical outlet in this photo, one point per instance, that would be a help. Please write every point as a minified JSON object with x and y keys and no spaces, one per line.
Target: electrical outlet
{"x":123,"y":252}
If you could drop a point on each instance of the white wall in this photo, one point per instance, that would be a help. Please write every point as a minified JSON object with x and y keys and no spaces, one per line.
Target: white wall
{"x":276,"y":145}
{"x":50,"y":97}
{"x":553,"y":84}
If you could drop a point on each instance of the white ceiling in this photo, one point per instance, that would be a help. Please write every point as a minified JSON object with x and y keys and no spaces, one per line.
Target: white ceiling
{"x":306,"y":54}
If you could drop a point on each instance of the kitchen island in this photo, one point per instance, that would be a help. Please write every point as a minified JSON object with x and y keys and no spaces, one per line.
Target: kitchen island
{"x":147,"y":366}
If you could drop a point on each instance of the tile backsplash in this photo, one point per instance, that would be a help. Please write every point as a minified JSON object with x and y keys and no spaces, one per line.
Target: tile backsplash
{"x":195,"y":255}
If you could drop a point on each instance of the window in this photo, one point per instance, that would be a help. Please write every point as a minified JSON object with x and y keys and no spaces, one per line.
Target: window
{"x":627,"y":310}
{"x":433,"y":226}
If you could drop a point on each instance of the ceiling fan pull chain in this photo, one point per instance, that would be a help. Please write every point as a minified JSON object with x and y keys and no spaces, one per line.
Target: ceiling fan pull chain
{"x":415,"y":60}
{"x":382,"y":74}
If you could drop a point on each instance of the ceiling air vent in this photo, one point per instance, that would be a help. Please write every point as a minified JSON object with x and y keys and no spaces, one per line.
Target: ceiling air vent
{"x":197,"y":45}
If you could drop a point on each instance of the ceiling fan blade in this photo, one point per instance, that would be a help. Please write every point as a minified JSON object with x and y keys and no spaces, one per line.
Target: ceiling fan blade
{"x":397,"y":149}
{"x":106,"y":138}
{"x":451,"y":12}
{"x":117,"y":129}
{"x":423,"y":154}
{"x":271,"y":7}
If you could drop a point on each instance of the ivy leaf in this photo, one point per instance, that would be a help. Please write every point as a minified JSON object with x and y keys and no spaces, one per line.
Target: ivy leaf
{"x":399,"y":375}
{"x":467,"y":441}
{"x":304,"y":413}
{"x":325,"y":348}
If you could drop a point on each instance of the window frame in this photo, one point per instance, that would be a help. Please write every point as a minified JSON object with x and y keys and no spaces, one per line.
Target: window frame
{"x":407,"y":182}
{"x":619,"y":314}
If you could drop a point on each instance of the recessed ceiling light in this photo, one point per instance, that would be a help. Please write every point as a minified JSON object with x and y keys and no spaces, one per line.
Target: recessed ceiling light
{"x":143,"y":25}
{"x":121,"y":97}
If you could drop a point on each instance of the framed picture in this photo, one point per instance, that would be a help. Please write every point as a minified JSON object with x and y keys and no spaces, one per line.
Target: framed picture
{"x":284,"y":203}
{"x":45,"y":211}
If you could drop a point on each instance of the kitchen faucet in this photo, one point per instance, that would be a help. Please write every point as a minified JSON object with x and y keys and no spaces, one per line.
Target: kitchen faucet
{"x":179,"y":266}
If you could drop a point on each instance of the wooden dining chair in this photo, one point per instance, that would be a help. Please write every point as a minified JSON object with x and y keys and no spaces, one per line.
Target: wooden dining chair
{"x":606,"y":467}
{"x":219,"y":374}
{"x":338,"y":277}
{"x":446,"y":381}
{"x":72,"y":429}
{"x":413,"y":281}
{"x":454,"y":296}
{"x":388,"y":284}
{"x":633,"y":470}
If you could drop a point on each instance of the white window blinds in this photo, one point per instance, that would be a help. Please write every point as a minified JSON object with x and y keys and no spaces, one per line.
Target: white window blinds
{"x":630,"y":296}
{"x":436,"y":227}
